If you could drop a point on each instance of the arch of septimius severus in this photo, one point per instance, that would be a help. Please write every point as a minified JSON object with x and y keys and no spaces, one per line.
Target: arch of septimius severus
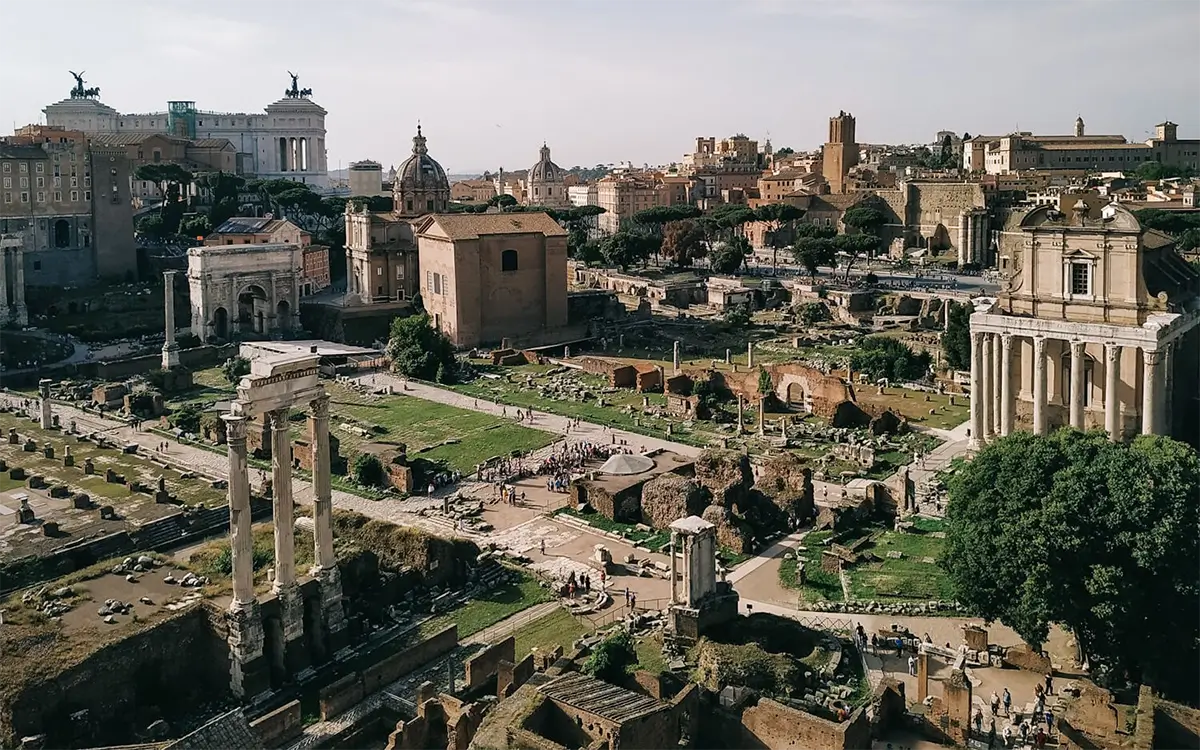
{"x":1098,"y":326}
{"x":276,"y":636}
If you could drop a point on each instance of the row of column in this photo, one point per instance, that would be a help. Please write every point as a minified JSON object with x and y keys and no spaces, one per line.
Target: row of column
{"x":295,"y":154}
{"x":994,"y":397}
{"x":12,"y":255}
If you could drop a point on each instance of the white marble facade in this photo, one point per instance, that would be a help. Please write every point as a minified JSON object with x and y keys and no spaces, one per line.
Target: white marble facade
{"x":244,"y":290}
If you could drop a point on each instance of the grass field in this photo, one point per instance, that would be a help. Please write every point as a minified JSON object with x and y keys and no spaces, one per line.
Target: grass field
{"x":490,"y":608}
{"x":649,"y":652}
{"x":819,"y":585}
{"x":559,"y":628}
{"x":907,"y":578}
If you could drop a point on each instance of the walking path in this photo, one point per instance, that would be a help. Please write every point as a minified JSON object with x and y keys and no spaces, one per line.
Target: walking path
{"x":776,"y":550}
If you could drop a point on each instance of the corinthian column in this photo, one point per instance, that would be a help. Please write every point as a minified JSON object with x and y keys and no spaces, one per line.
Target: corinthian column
{"x":1007,"y":401}
{"x":997,"y":382}
{"x":1151,"y":391}
{"x":1077,"y":384}
{"x":242,"y":545}
{"x":986,"y":402}
{"x":281,"y":484}
{"x":976,"y":439}
{"x":1039,"y":385}
{"x":322,"y":486}
{"x":1112,"y":404}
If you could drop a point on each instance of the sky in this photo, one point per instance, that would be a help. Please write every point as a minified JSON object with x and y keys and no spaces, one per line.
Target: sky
{"x":604,"y":81}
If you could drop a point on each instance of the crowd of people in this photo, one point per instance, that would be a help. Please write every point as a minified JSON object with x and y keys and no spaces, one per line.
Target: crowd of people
{"x":558,"y":466}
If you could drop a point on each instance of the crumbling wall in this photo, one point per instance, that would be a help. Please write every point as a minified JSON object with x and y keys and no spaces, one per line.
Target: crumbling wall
{"x":669,"y":497}
{"x":482,"y":666}
{"x":726,"y":475}
{"x":439,"y":561}
{"x":775,"y":726}
{"x":786,"y":480}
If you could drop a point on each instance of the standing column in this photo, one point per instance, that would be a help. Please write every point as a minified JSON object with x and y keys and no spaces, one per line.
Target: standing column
{"x":750,"y":354}
{"x":170,"y":349}
{"x":675,"y":357}
{"x":325,"y":567}
{"x":985,"y":387}
{"x":1112,"y":404}
{"x":674,"y":572}
{"x":963,"y":239}
{"x":3,"y":285}
{"x":1008,"y":402}
{"x":1151,"y":391}
{"x":1039,"y":385}
{"x":1077,"y":385}
{"x":248,"y":673}
{"x":281,"y":487}
{"x":1168,"y":397}
{"x":740,"y":423}
{"x":997,"y":376}
{"x":976,"y":439}
{"x":47,"y":419}
{"x":22,"y":312}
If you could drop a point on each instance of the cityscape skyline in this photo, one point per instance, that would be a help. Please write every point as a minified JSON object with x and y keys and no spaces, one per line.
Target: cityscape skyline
{"x":641,"y":67}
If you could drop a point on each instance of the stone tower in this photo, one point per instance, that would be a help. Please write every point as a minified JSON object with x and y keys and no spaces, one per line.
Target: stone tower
{"x":841,"y":152}
{"x":1079,"y":127}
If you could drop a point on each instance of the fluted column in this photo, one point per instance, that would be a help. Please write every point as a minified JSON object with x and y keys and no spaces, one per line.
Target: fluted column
{"x":1008,"y":401}
{"x":674,"y":571}
{"x":1112,"y":403}
{"x":997,"y":377}
{"x":1151,"y":391}
{"x":22,"y":312}
{"x":1039,"y":385}
{"x":322,"y":485}
{"x":281,"y":488}
{"x":3,"y":285}
{"x":242,"y":544}
{"x":976,"y":439}
{"x":985,"y":394}
{"x":1168,"y":396}
{"x":1077,"y":384}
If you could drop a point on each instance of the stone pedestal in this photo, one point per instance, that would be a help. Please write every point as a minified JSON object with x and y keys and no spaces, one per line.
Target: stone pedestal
{"x":249,"y":673}
{"x":333,"y":616}
{"x":291,"y":617}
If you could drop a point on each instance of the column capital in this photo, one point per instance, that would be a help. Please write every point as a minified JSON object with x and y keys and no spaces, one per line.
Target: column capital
{"x":1152,"y":357}
{"x":1006,"y":340}
{"x":319,"y":407}
{"x":1039,"y":345}
{"x":1112,"y":352}
{"x":1077,"y":349}
{"x":977,"y":338}
{"x":235,"y":428}
{"x":278,"y":419}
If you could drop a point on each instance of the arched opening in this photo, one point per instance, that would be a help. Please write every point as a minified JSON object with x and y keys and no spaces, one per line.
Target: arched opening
{"x":252,"y":308}
{"x":283,"y":315}
{"x":303,"y":154}
{"x":283,"y":154}
{"x":796,"y":396}
{"x":220,"y":324}
{"x":508,"y":260}
{"x":939,"y":241}
{"x":62,"y":233}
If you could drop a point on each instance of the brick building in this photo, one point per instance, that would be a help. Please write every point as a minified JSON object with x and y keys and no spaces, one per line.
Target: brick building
{"x":258,"y":231}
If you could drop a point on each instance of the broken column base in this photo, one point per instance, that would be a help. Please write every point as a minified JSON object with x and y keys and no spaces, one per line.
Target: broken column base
{"x":249,"y":672}
{"x":291,"y":617}
{"x":333,"y":616}
{"x":170,"y":355}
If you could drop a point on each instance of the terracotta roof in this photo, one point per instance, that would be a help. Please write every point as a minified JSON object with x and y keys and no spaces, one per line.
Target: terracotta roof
{"x":212,"y":142}
{"x":229,"y":731}
{"x":472,"y":226}
{"x":834,"y":202}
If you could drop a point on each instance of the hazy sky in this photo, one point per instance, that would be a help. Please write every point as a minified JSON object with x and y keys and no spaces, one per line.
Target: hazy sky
{"x":613,"y":80}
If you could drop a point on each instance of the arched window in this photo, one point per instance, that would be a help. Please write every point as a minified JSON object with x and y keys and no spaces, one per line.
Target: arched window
{"x":508,"y":260}
{"x":62,"y":233}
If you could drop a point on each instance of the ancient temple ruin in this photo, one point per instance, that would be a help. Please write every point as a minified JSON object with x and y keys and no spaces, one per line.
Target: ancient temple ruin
{"x":704,"y":601}
{"x":275,"y":385}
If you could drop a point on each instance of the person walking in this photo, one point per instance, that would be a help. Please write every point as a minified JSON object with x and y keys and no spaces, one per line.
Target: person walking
{"x":542,"y":546}
{"x":1049,"y":683}
{"x":979,"y":721}
{"x":995,"y":704}
{"x":912,"y":666}
{"x":1007,"y":702}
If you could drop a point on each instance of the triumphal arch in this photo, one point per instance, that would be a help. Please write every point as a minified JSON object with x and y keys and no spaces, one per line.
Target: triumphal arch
{"x":274,"y":638}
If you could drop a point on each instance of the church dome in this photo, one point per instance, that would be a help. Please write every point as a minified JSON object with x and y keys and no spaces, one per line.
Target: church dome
{"x":545,"y":170}
{"x":420,"y":171}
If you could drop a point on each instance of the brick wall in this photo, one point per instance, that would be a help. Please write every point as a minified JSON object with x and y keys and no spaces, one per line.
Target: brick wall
{"x":279,"y":726}
{"x":480,"y":667}
{"x":775,"y":726}
{"x":511,"y":676}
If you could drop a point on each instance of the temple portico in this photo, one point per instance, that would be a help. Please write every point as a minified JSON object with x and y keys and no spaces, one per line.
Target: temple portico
{"x":276,"y":385}
{"x":1098,"y":326}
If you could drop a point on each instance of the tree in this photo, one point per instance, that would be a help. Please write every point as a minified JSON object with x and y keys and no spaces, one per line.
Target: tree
{"x":591,"y":253}
{"x":1099,"y":536}
{"x":367,"y":470}
{"x":611,"y":658}
{"x":152,"y":226}
{"x":728,"y":257}
{"x":738,"y":317}
{"x":502,"y":201}
{"x":785,"y":151}
{"x":418,"y":350}
{"x":197,"y":225}
{"x":625,"y":249}
{"x":814,"y":230}
{"x":812,"y":252}
{"x":779,"y":216}
{"x":866,"y":219}
{"x":956,"y":340}
{"x":855,"y":245}
{"x":372,"y":202}
{"x":171,"y":179}
{"x":1153,"y":171}
{"x":765,"y":386}
{"x":657,"y":217}
{"x":885,"y":357}
{"x":811,"y":313}
{"x":224,"y":189}
{"x":234,"y":368}
{"x":683,"y":241}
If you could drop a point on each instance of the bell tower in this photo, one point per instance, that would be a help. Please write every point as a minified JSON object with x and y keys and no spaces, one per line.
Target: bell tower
{"x":840,"y":153}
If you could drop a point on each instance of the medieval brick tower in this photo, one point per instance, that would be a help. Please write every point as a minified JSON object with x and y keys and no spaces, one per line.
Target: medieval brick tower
{"x":841,"y":151}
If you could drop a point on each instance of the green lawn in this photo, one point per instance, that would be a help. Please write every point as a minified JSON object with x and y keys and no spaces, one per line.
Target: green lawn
{"x":649,"y":652}
{"x":491,"y":608}
{"x":819,"y":585}
{"x":559,"y":628}
{"x":907,"y":578}
{"x":654,"y":540}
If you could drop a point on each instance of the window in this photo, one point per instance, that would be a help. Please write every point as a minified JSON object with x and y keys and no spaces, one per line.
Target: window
{"x":429,"y":205}
{"x":429,"y":280}
{"x":87,"y":195}
{"x":74,"y":182}
{"x":508,"y":260}
{"x":57,"y":196}
{"x":41,"y":181}
{"x":8,"y":197}
{"x":399,"y":273}
{"x":437,"y":283}
{"x":24,"y":197}
{"x":39,"y":168}
{"x":1081,"y":279}
{"x":7,"y":167}
{"x":24,"y":181}
{"x":7,"y":182}
{"x":62,"y":233}
{"x":37,"y":265}
{"x":74,"y":196}
{"x":409,"y":205}
{"x":24,"y":168}
{"x":41,"y":196}
{"x":379,"y":270}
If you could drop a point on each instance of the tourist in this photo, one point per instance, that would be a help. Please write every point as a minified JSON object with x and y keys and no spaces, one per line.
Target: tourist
{"x":1007,"y":701}
{"x":979,"y":721}
{"x":633,"y":600}
{"x":1039,"y":739}
{"x":991,"y":738}
{"x":899,"y":647}
{"x":542,"y":545}
{"x":912,"y":666}
{"x":1024,"y":730}
{"x":1049,"y":720}
{"x":874,"y":643}
{"x":995,"y":704}
{"x":1049,"y":684}
{"x":1007,"y":734}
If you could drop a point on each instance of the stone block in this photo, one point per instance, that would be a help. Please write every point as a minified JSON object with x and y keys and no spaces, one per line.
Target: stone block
{"x":16,"y":473}
{"x":81,"y":501}
{"x":50,"y":528}
{"x":88,"y":466}
{"x":13,"y":438}
{"x":30,"y":446}
{"x":113,"y":477}
{"x":37,"y":482}
{"x":107,"y":513}
{"x":60,"y":490}
{"x":48,"y":451}
{"x":3,"y":465}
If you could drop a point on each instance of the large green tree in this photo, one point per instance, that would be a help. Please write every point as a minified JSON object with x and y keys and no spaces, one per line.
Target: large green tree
{"x":728,"y":257}
{"x":171,"y":179}
{"x":625,"y":249}
{"x":886,"y":357}
{"x":418,"y":350}
{"x":780,"y":218}
{"x":1099,"y":536}
{"x":956,"y":339}
{"x":683,"y":242}
{"x":812,"y":252}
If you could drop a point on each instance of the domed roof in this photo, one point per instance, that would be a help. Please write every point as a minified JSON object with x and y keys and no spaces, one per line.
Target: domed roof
{"x":626,"y":464}
{"x":420,"y":171}
{"x":545,"y":170}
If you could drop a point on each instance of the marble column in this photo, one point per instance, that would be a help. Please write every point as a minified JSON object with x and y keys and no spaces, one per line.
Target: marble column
{"x":1008,"y":400}
{"x":762,"y":413}
{"x":284,"y":508}
{"x":997,"y":376}
{"x":985,"y":393}
{"x":675,"y":358}
{"x":1151,"y":391}
{"x":750,"y":354}
{"x":976,"y":440}
{"x":47,"y":420}
{"x":22,"y":312}
{"x":1039,"y":385}
{"x":1168,"y":396}
{"x":325,"y":568}
{"x":239,"y":510}
{"x":1112,"y":379}
{"x":170,"y":349}
{"x":1077,"y":384}
{"x":674,"y":571}
{"x":740,"y":421}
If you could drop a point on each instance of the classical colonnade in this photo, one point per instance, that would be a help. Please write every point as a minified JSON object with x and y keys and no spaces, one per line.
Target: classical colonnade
{"x":995,"y":382}
{"x":12,"y":256}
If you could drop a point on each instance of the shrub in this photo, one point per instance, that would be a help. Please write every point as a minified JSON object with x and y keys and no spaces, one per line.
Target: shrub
{"x":611,"y":658}
{"x":368,"y":470}
{"x":884,"y":357}
{"x":235,"y":367}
